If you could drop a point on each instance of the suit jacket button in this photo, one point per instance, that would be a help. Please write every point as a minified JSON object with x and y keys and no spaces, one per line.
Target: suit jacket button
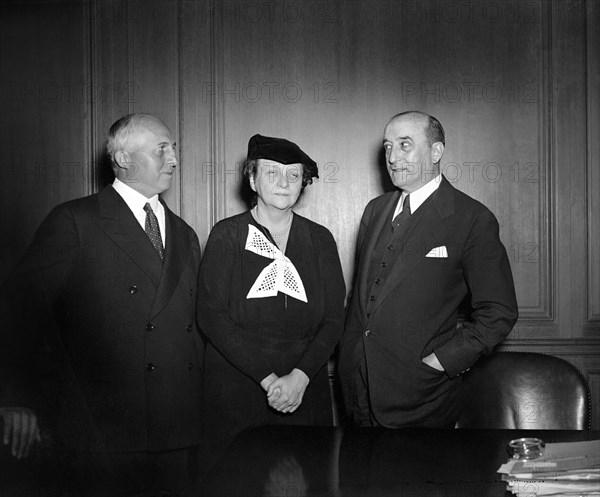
{"x":189,"y":328}
{"x":150,"y":366}
{"x":367,"y":333}
{"x":132,"y":289}
{"x":372,"y":298}
{"x":190,"y":365}
{"x":149,"y":327}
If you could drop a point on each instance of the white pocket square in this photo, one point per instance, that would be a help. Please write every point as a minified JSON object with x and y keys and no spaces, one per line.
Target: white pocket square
{"x":438,"y":252}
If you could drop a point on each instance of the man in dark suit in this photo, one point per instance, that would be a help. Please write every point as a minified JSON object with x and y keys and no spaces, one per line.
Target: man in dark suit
{"x":108,"y":290}
{"x":422,"y":250}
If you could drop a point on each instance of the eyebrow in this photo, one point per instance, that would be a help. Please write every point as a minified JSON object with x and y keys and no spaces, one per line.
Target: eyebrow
{"x":399,"y":138}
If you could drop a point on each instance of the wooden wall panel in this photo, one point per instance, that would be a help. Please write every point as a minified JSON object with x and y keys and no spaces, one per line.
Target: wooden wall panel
{"x":44,"y":127}
{"x":115,"y":93}
{"x":593,"y":168}
{"x":198,"y":171}
{"x":569,"y":164}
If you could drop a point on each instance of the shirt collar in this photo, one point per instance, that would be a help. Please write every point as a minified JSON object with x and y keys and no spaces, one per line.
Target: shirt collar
{"x":134,"y":199}
{"x":419,"y":196}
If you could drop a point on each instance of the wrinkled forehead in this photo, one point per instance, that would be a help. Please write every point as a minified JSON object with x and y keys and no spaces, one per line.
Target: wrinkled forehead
{"x":408,"y":125}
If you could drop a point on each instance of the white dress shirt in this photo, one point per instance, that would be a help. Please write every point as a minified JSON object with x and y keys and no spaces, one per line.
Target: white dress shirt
{"x":136,"y":201}
{"x":418,"y":196}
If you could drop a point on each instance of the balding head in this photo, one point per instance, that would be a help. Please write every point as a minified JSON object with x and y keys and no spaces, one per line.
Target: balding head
{"x":122,"y":132}
{"x":434,"y":130}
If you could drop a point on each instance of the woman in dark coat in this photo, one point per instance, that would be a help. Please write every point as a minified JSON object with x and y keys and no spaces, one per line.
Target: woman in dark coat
{"x":270,"y":303}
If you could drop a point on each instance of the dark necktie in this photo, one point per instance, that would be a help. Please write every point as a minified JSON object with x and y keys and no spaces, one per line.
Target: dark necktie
{"x":404,"y":214}
{"x":153,"y":231}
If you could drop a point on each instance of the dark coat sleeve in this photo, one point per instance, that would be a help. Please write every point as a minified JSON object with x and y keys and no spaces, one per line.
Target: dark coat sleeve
{"x":362,"y":229}
{"x":27,"y":298}
{"x":489,"y":278}
{"x":349,"y":355}
{"x":330,"y":328}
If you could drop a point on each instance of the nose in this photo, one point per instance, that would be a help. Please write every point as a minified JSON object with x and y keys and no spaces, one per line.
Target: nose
{"x":172,"y":158}
{"x":284,"y":182}
{"x":392,"y":154}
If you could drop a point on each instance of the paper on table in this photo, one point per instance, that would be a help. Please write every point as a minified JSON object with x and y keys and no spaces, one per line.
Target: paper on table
{"x":557,"y":451}
{"x":539,"y":488}
{"x":571,"y":468}
{"x":558,"y":457}
{"x":591,"y":474}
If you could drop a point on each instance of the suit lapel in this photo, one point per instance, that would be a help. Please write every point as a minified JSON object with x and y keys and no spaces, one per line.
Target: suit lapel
{"x":176,"y":254}
{"x":370,"y":239}
{"x":121,"y":226}
{"x":437,"y":208}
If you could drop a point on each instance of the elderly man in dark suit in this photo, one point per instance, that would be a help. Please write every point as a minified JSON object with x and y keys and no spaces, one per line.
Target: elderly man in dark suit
{"x":108,"y":286}
{"x":422,"y":250}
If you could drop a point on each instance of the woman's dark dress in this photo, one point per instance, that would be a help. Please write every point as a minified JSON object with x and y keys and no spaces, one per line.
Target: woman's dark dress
{"x":248,"y":339}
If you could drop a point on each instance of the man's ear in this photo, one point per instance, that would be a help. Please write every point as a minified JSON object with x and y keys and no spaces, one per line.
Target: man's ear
{"x":122,"y":159}
{"x":251,"y":179}
{"x":437,"y":150}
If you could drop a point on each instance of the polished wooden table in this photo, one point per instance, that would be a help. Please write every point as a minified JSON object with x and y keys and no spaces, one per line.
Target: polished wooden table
{"x":308,"y":461}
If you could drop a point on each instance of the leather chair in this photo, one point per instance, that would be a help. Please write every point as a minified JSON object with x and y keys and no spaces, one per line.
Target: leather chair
{"x":525,"y":390}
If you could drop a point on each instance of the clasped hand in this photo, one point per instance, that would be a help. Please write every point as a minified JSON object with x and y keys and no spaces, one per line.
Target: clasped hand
{"x":285,"y":393}
{"x":20,"y":431}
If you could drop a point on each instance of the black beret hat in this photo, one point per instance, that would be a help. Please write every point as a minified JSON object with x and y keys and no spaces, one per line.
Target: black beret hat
{"x":280,"y":150}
